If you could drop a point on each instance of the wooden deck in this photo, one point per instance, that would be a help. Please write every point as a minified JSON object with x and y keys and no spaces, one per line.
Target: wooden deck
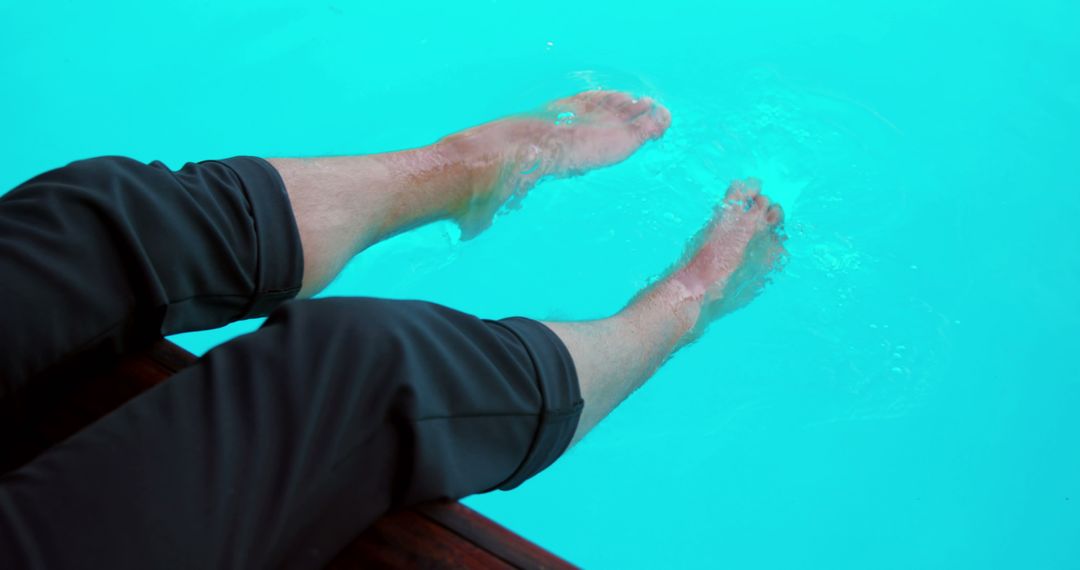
{"x":435,"y":535}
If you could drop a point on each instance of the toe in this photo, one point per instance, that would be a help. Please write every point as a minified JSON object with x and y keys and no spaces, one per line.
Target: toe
{"x":753,"y":186}
{"x":580,"y":102}
{"x":613,"y":101}
{"x":743,"y":191}
{"x":735,"y":191}
{"x":648,"y":127}
{"x":632,"y":108}
{"x":663,"y":116}
{"x":775,"y":214}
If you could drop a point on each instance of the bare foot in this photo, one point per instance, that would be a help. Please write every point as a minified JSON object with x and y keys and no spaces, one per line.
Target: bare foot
{"x":566,"y":138}
{"x":730,"y":260}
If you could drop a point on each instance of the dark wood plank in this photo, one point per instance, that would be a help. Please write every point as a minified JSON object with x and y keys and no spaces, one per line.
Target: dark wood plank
{"x":63,"y":403}
{"x":408,"y":539}
{"x":491,"y":536}
{"x":437,"y":535}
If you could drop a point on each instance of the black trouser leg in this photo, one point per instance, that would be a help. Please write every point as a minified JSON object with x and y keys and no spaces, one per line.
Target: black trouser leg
{"x":278,"y":447}
{"x":105,"y":254}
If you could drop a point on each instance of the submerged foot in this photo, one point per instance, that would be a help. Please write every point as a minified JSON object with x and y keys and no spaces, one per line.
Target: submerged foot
{"x":566,"y":138}
{"x":729,"y":262}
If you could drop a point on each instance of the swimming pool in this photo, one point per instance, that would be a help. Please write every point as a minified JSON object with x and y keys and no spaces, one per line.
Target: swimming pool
{"x":903,"y":396}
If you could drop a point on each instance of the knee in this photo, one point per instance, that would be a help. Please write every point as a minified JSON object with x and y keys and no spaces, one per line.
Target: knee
{"x":364,"y":320}
{"x":93,"y":173}
{"x":93,"y":183}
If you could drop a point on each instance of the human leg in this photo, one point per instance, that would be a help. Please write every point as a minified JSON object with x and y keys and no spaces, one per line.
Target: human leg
{"x":108,"y":253}
{"x":345,"y":204}
{"x":278,"y":447}
{"x":725,"y":267}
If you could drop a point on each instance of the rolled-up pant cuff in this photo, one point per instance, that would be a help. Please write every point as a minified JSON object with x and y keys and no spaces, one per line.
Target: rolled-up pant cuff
{"x":560,"y":393}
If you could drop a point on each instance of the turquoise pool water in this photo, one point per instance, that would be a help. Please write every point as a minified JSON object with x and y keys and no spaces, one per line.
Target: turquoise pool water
{"x":906,"y":395}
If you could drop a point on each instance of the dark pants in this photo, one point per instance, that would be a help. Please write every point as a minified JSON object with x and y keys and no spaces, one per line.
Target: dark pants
{"x":278,"y":447}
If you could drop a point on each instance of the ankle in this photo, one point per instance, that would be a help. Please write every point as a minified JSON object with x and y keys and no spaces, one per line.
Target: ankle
{"x":670,"y":305}
{"x":494,"y":167}
{"x":476,"y":166}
